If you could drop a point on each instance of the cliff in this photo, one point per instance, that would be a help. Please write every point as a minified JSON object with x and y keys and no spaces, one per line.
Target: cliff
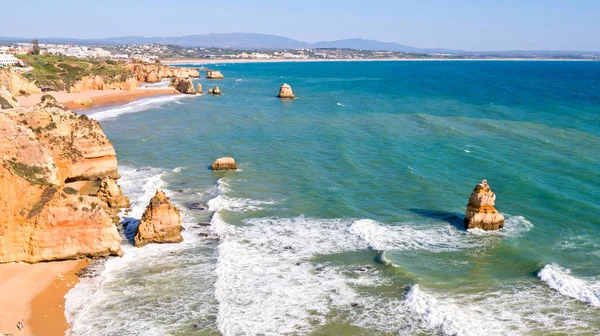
{"x":152,"y":73}
{"x":104,"y":83}
{"x":16,"y":84}
{"x":160,"y":223}
{"x":52,"y":163}
{"x":481,"y":212}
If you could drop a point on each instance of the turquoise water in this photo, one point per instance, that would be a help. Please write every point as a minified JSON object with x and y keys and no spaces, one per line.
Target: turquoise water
{"x":346,"y":215}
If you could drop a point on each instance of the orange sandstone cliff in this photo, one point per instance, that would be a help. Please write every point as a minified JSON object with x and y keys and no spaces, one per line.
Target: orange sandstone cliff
{"x":152,"y":73}
{"x":57,"y":172}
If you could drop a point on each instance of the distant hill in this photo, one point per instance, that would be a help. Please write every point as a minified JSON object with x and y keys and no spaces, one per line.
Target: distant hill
{"x":266,"y":41}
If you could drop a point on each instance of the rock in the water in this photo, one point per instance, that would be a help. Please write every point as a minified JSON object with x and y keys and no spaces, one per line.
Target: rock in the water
{"x":160,"y":223}
{"x":480,"y":210}
{"x":199,"y":89}
{"x":214,"y":74}
{"x":210,"y":91}
{"x":184,"y":85}
{"x":215,"y":91}
{"x":7,"y":100}
{"x":224,"y":163}
{"x":285,"y":91}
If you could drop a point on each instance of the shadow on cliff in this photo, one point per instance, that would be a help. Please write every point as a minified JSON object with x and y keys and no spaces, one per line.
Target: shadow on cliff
{"x":451,"y":217}
{"x":130,"y":225}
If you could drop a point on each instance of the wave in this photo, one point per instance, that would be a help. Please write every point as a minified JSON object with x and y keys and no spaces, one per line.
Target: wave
{"x":514,"y":226}
{"x":135,"y":106}
{"x":561,"y":280}
{"x":450,"y":319}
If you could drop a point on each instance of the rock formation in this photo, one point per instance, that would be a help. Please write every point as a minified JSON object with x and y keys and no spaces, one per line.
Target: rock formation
{"x":199,"y":89}
{"x":224,"y":163}
{"x":7,"y":100}
{"x":49,"y":102}
{"x":152,"y":73}
{"x":17,"y":84}
{"x":480,"y":210}
{"x":50,"y":161}
{"x":84,"y":103}
{"x":214,"y":74}
{"x":183,"y":85}
{"x":285,"y":91}
{"x":160,"y":223}
{"x":215,"y":91}
{"x":102,"y":83}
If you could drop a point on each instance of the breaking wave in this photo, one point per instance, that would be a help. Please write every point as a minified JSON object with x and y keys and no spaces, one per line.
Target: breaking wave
{"x":561,"y":280}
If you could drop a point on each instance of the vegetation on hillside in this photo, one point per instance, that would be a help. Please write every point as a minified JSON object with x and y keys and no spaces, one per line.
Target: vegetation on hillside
{"x":61,"y":72}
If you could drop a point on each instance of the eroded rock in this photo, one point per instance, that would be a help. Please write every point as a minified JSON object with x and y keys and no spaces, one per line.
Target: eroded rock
{"x":224,"y":163}
{"x":285,"y":91}
{"x":160,"y":223}
{"x":481,"y":212}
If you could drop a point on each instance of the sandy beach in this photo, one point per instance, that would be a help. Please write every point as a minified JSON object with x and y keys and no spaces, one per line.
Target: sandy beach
{"x":35,"y":293}
{"x":98,"y":97}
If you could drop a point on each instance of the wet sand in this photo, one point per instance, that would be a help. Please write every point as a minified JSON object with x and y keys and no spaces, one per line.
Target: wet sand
{"x":35,"y":293}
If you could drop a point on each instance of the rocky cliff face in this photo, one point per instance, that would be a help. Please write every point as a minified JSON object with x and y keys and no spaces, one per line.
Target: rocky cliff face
{"x":17,"y":84}
{"x":152,"y":73}
{"x":52,"y":163}
{"x":103,"y":83}
{"x":160,"y":223}
{"x":480,"y":211}
{"x":7,"y":100}
{"x":183,"y":85}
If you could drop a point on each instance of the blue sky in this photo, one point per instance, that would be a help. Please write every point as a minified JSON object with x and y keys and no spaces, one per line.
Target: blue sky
{"x":460,"y":24}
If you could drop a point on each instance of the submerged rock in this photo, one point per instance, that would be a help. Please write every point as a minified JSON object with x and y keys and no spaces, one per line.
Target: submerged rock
{"x":480,"y":210}
{"x":224,"y":163}
{"x":214,"y":74}
{"x":160,"y":223}
{"x":285,"y":91}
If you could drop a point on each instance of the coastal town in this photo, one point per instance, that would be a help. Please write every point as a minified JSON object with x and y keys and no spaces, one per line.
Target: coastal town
{"x":9,"y":53}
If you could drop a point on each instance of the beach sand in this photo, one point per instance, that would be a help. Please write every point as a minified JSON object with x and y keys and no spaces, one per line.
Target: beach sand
{"x":98,"y":97}
{"x":35,"y":293}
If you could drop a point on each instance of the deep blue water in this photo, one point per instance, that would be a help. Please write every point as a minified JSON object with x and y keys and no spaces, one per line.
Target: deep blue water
{"x":370,"y":157}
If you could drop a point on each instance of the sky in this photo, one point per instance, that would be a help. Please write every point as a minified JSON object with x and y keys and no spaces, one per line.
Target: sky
{"x":459,"y":24}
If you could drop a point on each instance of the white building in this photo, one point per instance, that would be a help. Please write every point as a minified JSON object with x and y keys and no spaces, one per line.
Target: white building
{"x":8,"y":60}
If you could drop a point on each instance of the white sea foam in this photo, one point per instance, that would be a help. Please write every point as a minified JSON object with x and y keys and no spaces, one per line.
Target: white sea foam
{"x":340,"y":104}
{"x":514,"y":226}
{"x":135,"y":106}
{"x":561,"y":280}
{"x":167,"y":287}
{"x":178,"y":169}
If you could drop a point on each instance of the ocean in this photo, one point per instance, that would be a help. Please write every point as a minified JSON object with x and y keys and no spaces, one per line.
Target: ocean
{"x":345,"y":217}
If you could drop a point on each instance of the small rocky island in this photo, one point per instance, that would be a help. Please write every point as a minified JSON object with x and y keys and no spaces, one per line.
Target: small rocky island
{"x":480,"y":210}
{"x":160,"y":223}
{"x":214,"y":74}
{"x":285,"y":91}
{"x":224,"y":163}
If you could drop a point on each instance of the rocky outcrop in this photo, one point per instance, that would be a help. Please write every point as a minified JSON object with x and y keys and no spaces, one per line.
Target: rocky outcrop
{"x":102,"y":83}
{"x":224,"y":163}
{"x":214,"y":74}
{"x":49,"y":102}
{"x":83,"y":103}
{"x":215,"y":91}
{"x":199,"y":89}
{"x":160,"y":223}
{"x":17,"y":84}
{"x":152,"y":73}
{"x":285,"y":91}
{"x":480,"y":210}
{"x":183,"y":85}
{"x":7,"y":100}
{"x":49,"y":161}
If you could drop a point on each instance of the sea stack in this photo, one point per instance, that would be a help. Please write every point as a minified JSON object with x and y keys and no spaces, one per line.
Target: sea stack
{"x":285,"y":91}
{"x":160,"y":223}
{"x":199,"y":89}
{"x":214,"y":74}
{"x":215,"y":91}
{"x":183,"y":85}
{"x":480,"y":210}
{"x":224,"y":163}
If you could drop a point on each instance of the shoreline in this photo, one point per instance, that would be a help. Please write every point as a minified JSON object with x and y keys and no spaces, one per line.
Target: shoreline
{"x":36,"y":294}
{"x":99,"y":98}
{"x":292,"y":60}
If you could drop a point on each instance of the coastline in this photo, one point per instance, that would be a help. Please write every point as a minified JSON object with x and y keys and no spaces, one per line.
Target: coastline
{"x":35,"y":293}
{"x":292,"y":60}
{"x":98,"y":97}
